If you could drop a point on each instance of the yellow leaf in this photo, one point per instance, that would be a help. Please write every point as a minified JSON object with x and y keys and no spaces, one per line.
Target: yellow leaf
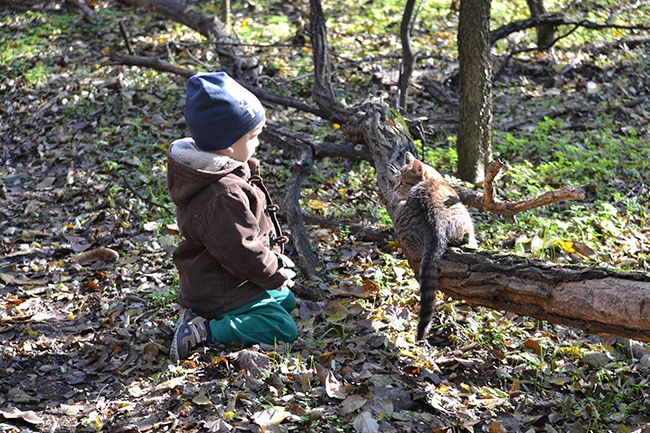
{"x":571,"y":350}
{"x":516,"y":385}
{"x":247,"y":21}
{"x":465,"y":387}
{"x":30,"y":331}
{"x":219,"y":359}
{"x":70,"y":316}
{"x":567,"y":246}
{"x":316,"y":204}
{"x":106,"y":50}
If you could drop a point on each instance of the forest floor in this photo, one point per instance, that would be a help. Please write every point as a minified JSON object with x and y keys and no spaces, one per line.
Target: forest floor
{"x":85,"y":331}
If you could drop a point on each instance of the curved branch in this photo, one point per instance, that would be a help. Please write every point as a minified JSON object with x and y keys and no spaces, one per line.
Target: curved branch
{"x":554,"y":19}
{"x":117,"y":58}
{"x":207,"y":25}
{"x":300,"y":171}
{"x":508,"y":209}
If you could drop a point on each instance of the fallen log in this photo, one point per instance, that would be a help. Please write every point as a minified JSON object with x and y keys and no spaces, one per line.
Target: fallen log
{"x":595,"y":300}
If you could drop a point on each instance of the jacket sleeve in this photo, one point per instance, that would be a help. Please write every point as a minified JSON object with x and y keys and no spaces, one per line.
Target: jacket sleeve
{"x":233,"y":236}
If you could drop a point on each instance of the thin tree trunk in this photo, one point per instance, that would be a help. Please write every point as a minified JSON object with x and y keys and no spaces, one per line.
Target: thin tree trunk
{"x":225,"y":12}
{"x":408,"y":56}
{"x":323,"y":93}
{"x":545,"y":32}
{"x":474,"y":143}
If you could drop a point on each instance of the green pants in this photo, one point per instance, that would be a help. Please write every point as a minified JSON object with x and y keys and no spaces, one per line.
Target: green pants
{"x":265,"y":320}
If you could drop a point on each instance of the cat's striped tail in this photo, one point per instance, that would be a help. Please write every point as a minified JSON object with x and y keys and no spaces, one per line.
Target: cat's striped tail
{"x":433,"y":252}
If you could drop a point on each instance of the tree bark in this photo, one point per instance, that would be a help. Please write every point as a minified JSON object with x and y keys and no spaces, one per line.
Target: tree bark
{"x":408,"y":56}
{"x":594,"y":300}
{"x":545,"y":32}
{"x":474,"y":143}
{"x":323,"y":92}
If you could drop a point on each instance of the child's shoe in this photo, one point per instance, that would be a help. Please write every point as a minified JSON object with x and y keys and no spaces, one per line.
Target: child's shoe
{"x":191,"y":331}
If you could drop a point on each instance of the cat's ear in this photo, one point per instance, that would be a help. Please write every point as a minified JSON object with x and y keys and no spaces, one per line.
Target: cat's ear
{"x":408,"y":158}
{"x":417,"y":167}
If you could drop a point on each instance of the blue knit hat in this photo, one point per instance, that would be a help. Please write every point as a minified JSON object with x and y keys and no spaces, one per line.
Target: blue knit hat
{"x":219,"y":111}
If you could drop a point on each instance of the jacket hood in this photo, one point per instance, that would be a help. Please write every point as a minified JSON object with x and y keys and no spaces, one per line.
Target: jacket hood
{"x":190,"y":169}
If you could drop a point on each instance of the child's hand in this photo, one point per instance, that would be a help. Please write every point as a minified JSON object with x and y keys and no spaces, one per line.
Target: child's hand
{"x":288,"y":273}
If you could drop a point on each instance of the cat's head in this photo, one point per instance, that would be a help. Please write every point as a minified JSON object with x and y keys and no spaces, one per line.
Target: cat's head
{"x":409,"y":175}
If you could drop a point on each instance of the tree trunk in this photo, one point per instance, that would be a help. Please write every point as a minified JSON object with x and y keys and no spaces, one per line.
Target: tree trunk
{"x":591,"y":299}
{"x":545,"y":32}
{"x":474,"y":144}
{"x":225,"y":12}
{"x":323,"y":93}
{"x":408,"y":56}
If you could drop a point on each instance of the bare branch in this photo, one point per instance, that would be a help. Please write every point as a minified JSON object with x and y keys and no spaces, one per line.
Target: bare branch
{"x":285,"y":139}
{"x":117,"y":58}
{"x":487,"y":202}
{"x":555,"y":19}
{"x":207,"y":25}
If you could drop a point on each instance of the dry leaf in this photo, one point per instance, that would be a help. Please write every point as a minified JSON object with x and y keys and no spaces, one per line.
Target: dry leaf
{"x":270,"y":417}
{"x":351,"y":404}
{"x":596,"y":359}
{"x":15,"y":413}
{"x":497,"y":427}
{"x":332,"y":386}
{"x":21,"y":281}
{"x":201,"y":400}
{"x":585,"y":251}
{"x":534,"y":345}
{"x":365,"y":423}
{"x":255,"y":362}
{"x":170,"y":384}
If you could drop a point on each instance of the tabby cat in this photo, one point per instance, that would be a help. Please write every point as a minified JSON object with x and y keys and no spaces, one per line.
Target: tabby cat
{"x":429,"y":218}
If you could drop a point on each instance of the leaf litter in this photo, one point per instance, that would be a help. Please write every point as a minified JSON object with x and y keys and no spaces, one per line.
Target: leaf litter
{"x":87,"y":289}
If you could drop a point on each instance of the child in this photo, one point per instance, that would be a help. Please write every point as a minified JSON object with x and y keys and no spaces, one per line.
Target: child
{"x":232,"y":272}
